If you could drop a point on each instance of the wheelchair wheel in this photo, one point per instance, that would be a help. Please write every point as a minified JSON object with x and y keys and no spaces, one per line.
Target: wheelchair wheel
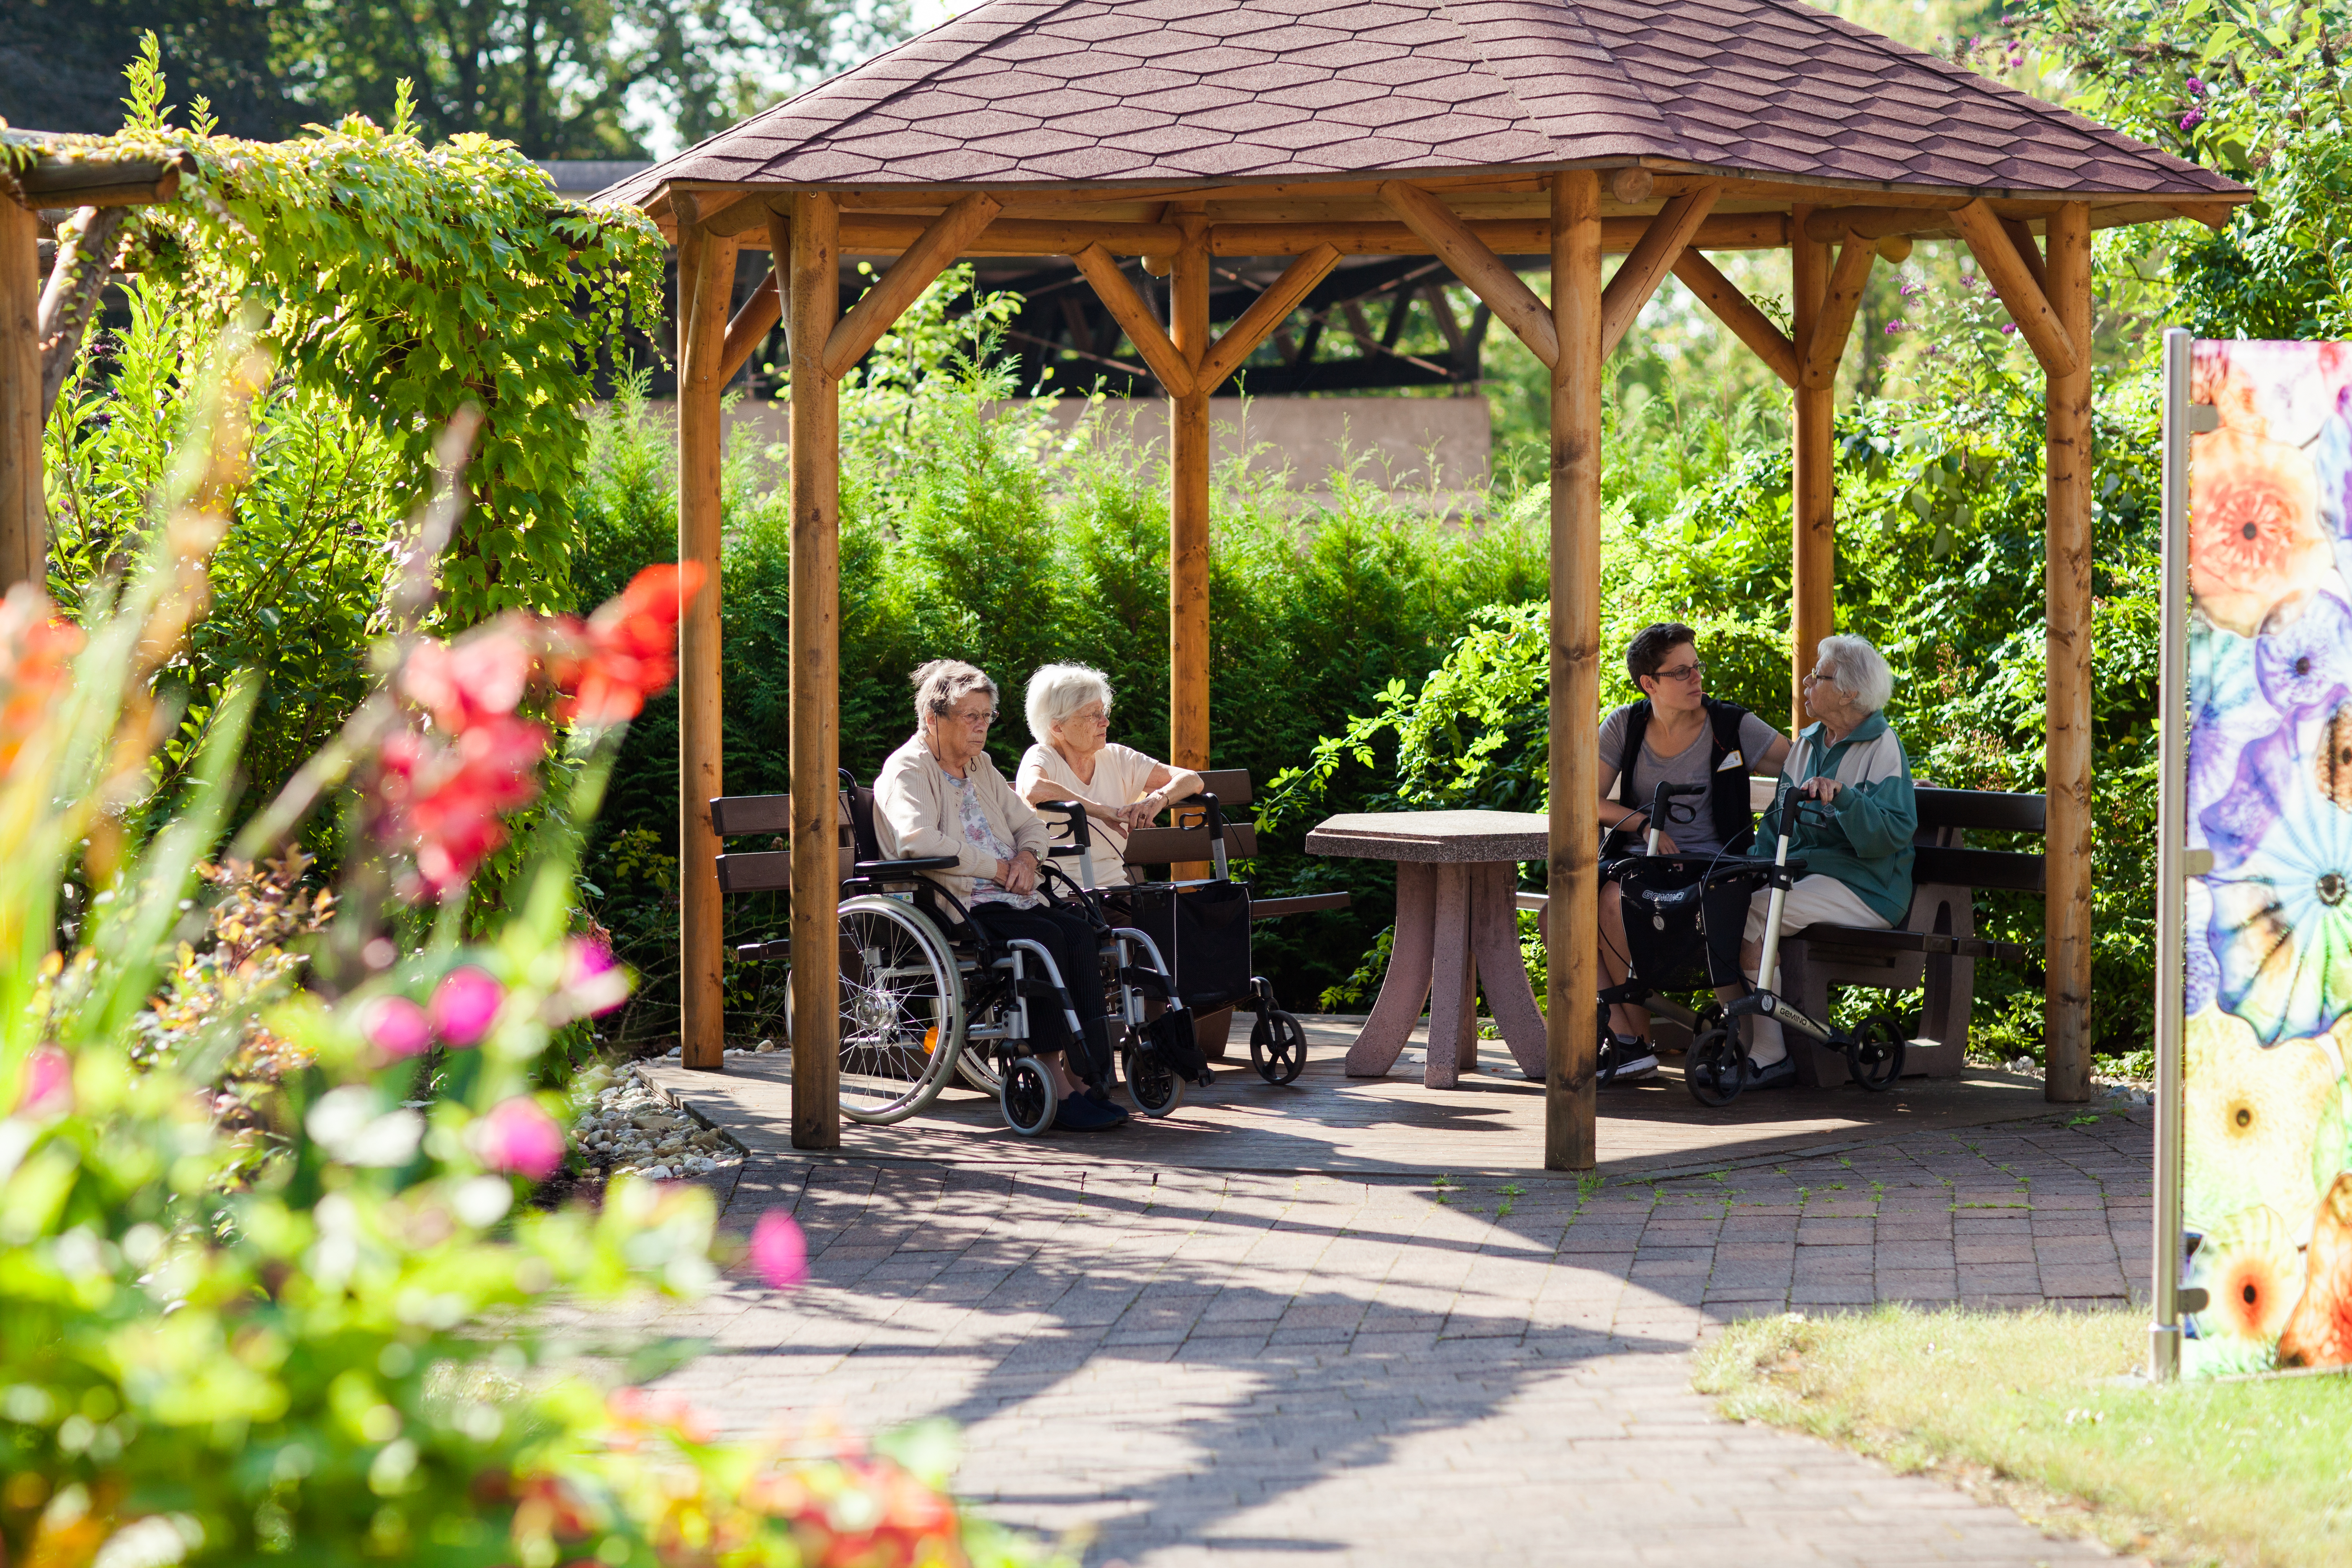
{"x":1277,"y":1046}
{"x":1716,"y":1068}
{"x":1154,"y":1086}
{"x":1028,"y":1097}
{"x":1874,"y":1055}
{"x":901,"y":1010}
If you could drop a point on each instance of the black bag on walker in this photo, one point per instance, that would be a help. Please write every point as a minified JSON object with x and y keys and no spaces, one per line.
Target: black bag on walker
{"x":1202,"y":932}
{"x":1674,"y":938}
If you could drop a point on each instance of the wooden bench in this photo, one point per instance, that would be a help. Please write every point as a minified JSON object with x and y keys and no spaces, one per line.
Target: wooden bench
{"x":1936,"y":945}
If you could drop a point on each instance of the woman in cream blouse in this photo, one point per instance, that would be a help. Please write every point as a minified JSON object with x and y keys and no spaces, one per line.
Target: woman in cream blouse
{"x":1122,"y":789}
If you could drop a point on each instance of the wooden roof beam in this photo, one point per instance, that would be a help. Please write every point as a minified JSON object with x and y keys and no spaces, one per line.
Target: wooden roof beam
{"x":2027,"y":251}
{"x":1268,"y":311}
{"x":1738,"y":312}
{"x":2014,"y":280}
{"x":918,"y":267}
{"x":1451,"y":240}
{"x":1826,"y":344}
{"x":1647,"y":264}
{"x":1135,"y":319}
{"x":76,"y":182}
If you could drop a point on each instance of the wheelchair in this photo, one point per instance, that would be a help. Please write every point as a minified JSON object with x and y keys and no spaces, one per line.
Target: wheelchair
{"x":928,"y":995}
{"x":1669,"y":903}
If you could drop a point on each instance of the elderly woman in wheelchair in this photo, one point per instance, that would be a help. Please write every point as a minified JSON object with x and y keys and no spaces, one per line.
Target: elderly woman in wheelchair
{"x":957,"y":957}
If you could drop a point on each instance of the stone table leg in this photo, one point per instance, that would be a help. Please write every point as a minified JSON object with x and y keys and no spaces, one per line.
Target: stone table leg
{"x":1502,"y":970}
{"x":1454,"y":981}
{"x":1406,"y":988}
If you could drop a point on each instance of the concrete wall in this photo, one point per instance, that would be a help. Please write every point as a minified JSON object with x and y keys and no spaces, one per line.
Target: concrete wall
{"x":1408,"y":447}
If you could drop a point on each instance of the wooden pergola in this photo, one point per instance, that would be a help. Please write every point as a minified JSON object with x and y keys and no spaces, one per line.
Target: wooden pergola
{"x":1182,"y":130}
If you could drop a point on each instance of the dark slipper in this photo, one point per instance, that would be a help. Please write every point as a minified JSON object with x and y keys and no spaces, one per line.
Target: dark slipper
{"x":1782,"y":1074}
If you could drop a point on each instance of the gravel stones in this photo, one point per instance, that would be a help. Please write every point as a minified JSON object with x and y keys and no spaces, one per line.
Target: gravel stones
{"x":625,"y":1129}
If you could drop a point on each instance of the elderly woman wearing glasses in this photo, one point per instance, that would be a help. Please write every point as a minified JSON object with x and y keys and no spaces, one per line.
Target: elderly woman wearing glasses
{"x":1122,"y":789}
{"x":1675,"y":734}
{"x":939,"y":794}
{"x":1857,"y":851}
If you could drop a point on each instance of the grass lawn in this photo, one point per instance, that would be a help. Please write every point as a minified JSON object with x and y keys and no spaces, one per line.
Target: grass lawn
{"x":2026,"y":1406}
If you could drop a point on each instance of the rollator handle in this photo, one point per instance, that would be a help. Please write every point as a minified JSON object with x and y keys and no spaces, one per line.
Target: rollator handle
{"x":1662,"y":810}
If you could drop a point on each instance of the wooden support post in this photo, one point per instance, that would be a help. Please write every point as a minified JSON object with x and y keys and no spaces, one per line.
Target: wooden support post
{"x":1736,"y":311}
{"x":1813,"y":519}
{"x":2066,"y":1018}
{"x":705,"y":268}
{"x":816,"y":631}
{"x":24,"y":513}
{"x":1188,"y":506}
{"x":1450,"y":240}
{"x":1647,"y":266}
{"x":1835,"y":324}
{"x":1574,"y":931}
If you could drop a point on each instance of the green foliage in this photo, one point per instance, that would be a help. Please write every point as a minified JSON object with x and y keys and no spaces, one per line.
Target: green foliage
{"x":405,"y":282}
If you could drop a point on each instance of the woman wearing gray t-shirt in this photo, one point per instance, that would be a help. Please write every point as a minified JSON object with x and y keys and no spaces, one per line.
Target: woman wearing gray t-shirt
{"x":1678,"y":727}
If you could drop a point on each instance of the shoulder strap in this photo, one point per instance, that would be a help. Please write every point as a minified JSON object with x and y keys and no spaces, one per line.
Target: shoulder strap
{"x":1637,"y":725}
{"x":1727,"y":789}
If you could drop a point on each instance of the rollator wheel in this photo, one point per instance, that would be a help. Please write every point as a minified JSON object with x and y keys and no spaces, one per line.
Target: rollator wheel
{"x":1028,"y":1097}
{"x":1155,"y":1086}
{"x":1716,"y":1070}
{"x":1874,"y":1055}
{"x":1277,"y":1046}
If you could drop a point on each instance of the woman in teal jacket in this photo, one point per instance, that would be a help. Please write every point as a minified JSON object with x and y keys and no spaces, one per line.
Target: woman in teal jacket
{"x":1858,"y":858}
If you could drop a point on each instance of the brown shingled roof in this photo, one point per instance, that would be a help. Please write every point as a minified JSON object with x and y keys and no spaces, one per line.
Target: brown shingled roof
{"x":1054,"y":92}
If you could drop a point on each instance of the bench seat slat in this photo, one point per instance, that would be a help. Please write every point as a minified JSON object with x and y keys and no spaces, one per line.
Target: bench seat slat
{"x":756,"y":871}
{"x":1299,"y":904}
{"x":1875,"y":939}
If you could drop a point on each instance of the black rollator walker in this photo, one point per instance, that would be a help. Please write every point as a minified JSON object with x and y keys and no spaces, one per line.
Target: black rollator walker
{"x":1669,"y":902}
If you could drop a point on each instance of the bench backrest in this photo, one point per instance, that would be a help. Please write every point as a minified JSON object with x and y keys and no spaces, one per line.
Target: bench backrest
{"x":769,"y":816}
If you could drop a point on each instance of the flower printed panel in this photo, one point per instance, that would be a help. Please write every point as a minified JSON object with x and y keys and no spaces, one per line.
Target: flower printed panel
{"x":2267,"y":1174}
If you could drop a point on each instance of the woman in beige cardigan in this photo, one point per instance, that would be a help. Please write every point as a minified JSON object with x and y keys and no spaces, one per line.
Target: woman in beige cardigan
{"x":939,"y":795}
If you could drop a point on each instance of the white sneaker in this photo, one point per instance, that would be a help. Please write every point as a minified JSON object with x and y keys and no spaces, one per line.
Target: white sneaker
{"x":1636,"y":1060}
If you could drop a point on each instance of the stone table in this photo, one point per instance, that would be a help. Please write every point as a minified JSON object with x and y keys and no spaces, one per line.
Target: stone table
{"x":1457,"y":927}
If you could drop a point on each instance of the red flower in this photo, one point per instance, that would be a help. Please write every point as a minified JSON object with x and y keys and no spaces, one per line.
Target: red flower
{"x":628,"y":649}
{"x":446,"y":798}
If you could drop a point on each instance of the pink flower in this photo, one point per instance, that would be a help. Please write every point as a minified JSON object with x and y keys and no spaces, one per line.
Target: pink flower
{"x":396,"y":1027}
{"x":480,"y":675}
{"x":47,"y":1085}
{"x":465,"y":1005}
{"x":778,"y":1251}
{"x":593,"y":983}
{"x":2007,"y":328}
{"x":519,"y":1136}
{"x":2193,"y":120}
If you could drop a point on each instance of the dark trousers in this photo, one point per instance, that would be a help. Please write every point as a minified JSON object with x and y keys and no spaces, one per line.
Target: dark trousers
{"x":1077,"y":952}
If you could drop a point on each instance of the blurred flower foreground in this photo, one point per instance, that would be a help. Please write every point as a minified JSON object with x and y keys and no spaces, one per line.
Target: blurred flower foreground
{"x":268,"y":1282}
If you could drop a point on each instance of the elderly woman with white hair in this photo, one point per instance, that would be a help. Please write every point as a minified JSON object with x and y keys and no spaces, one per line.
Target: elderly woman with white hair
{"x":1074,"y":759}
{"x":1857,"y":853}
{"x":939,"y":795}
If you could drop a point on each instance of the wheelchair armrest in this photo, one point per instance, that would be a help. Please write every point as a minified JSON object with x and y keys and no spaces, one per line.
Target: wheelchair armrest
{"x":906,"y":868}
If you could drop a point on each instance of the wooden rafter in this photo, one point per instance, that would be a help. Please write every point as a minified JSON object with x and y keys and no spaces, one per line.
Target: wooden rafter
{"x":2029,"y":250}
{"x":918,"y":267}
{"x":1738,"y":312}
{"x":2012,"y":278}
{"x":1452,"y":241}
{"x":752,"y":324}
{"x":1647,"y":264}
{"x":1135,"y":319}
{"x":1826,"y":344}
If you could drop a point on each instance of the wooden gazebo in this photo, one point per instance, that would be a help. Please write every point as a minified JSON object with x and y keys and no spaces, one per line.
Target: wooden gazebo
{"x":1179,"y":130}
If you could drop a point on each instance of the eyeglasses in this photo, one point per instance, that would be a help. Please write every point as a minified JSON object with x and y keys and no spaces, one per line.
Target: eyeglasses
{"x":984,"y":718}
{"x":1690,"y":671}
{"x":1090,"y":716}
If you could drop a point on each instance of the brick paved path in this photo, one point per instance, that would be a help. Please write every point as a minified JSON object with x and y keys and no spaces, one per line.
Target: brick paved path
{"x":1264,"y":1369}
